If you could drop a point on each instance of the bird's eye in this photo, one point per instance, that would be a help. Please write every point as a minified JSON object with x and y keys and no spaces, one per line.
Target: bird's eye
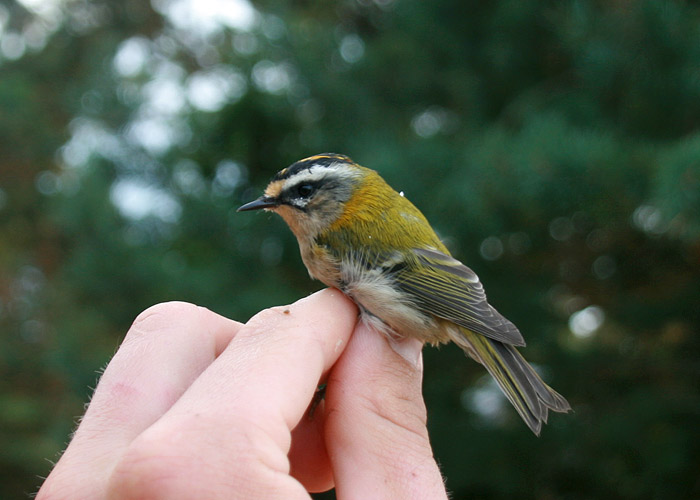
{"x":305,"y":190}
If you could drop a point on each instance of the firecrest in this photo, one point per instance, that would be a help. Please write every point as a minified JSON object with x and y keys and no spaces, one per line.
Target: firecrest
{"x":357,"y":234}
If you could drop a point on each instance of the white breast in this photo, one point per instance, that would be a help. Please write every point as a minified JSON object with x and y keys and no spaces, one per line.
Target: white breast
{"x":384,"y":306}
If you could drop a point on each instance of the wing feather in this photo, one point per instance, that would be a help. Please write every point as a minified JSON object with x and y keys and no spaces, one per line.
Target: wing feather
{"x":446,"y":288}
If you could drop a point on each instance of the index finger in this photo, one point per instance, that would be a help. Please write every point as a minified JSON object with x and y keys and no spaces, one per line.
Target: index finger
{"x":273,"y":365}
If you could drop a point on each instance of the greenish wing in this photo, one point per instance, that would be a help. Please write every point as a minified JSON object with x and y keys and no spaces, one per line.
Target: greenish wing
{"x":446,"y":288}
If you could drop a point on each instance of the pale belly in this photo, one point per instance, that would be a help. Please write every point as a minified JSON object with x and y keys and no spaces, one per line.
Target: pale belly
{"x":388,"y":309}
{"x":382,"y":305}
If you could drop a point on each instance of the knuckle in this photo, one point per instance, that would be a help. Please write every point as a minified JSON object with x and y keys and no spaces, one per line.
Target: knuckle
{"x":404,"y":434}
{"x":148,"y":470}
{"x":404,"y":413}
{"x":395,"y":397}
{"x":159,"y":317}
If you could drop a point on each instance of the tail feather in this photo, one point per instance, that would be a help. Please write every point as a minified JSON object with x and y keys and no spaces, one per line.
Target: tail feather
{"x":530,"y":396}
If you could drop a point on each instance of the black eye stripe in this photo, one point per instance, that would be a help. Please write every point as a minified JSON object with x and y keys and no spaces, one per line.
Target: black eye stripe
{"x":298,"y":195}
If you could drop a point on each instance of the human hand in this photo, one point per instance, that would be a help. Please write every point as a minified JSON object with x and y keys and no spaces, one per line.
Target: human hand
{"x":194,"y":405}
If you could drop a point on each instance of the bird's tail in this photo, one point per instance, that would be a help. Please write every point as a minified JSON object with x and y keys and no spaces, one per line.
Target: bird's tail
{"x":531,"y":397}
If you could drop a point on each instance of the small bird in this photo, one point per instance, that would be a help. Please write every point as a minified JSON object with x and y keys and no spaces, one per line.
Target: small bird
{"x":358,"y":235}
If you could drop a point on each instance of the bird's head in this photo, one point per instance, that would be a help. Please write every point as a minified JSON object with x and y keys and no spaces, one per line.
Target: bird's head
{"x":312,"y":193}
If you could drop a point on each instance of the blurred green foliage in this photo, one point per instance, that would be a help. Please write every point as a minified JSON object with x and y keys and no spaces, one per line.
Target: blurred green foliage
{"x":554,"y":145}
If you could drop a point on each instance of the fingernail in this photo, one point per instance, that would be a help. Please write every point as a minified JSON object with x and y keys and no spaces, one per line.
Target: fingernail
{"x":409,"y":349}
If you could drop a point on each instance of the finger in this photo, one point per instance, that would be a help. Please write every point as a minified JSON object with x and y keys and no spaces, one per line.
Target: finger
{"x":231,"y":429}
{"x":166,"y":348}
{"x":274,"y":364}
{"x":308,"y":457}
{"x":375,"y":428}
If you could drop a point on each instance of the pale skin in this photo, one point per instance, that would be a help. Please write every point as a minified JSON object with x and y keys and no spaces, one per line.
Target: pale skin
{"x":194,"y":405}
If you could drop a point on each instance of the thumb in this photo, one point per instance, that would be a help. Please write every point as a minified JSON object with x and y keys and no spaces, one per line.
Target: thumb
{"x":375,"y":428}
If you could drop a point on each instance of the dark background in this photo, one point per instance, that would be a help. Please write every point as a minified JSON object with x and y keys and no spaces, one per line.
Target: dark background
{"x":555,"y":145}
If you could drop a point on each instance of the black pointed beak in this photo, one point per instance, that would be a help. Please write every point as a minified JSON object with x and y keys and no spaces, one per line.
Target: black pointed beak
{"x":262,"y":202}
